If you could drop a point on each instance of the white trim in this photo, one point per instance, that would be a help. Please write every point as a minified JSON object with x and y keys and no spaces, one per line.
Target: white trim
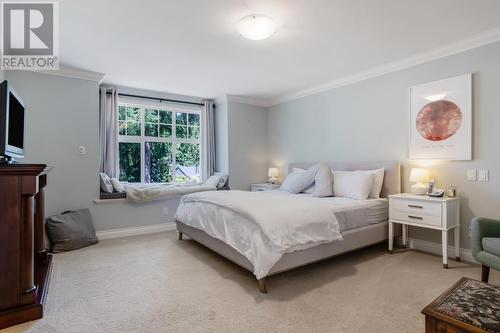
{"x":488,"y":37}
{"x":76,"y":73}
{"x":247,"y":100}
{"x":435,"y":248}
{"x":136,"y":231}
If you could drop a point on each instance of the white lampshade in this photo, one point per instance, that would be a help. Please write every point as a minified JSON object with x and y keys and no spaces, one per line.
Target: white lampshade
{"x":419,"y":175}
{"x":256,"y":27}
{"x":273,"y":172}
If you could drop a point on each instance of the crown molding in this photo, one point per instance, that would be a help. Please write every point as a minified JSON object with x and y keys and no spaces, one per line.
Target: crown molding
{"x":76,"y":73}
{"x":247,"y":100}
{"x":488,"y":37}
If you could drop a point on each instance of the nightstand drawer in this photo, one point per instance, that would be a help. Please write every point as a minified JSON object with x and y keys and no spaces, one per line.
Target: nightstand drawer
{"x":417,"y":218}
{"x":418,"y":207}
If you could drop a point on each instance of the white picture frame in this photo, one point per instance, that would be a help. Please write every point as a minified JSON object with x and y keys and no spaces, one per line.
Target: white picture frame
{"x":441,"y":119}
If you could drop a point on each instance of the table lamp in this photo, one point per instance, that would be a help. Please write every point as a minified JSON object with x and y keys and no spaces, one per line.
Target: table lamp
{"x":273,"y":174}
{"x":420,"y":177}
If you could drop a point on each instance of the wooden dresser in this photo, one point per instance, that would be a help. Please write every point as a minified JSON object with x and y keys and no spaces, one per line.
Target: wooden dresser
{"x":24,"y":262}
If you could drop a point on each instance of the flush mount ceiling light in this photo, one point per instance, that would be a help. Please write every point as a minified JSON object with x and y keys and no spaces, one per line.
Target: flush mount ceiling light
{"x":256,"y":27}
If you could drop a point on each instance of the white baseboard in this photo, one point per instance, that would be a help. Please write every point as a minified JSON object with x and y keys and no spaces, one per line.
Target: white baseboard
{"x":135,"y":231}
{"x":435,"y":248}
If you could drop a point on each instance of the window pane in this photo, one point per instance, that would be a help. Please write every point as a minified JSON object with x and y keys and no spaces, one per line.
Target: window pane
{"x":130,"y":161}
{"x":158,"y":162}
{"x":133,"y":129}
{"x":133,"y":114}
{"x":151,"y":116}
{"x":122,"y":127}
{"x":194,"y":119}
{"x":166,"y":131}
{"x":181,"y":132}
{"x":181,"y":118}
{"x":194,"y":132}
{"x":122,"y":113}
{"x":165,"y":117}
{"x":187,"y":158}
{"x":151,"y":129}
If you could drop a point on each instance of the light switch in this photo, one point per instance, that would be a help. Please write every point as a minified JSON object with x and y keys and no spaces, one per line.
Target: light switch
{"x":472,"y":174}
{"x":483,"y":175}
{"x":82,"y":150}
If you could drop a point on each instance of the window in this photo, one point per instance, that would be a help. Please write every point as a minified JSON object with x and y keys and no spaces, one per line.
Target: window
{"x":158,"y":143}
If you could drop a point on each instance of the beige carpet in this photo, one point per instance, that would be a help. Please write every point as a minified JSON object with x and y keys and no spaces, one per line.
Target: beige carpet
{"x":159,"y":284}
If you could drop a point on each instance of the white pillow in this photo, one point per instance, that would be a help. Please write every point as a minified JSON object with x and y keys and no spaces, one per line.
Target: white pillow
{"x":296,"y":182}
{"x":212,"y":180}
{"x":323,"y":181}
{"x":117,"y":185}
{"x":105,"y":183}
{"x":310,"y":189}
{"x":378,"y":180}
{"x":352,"y":184}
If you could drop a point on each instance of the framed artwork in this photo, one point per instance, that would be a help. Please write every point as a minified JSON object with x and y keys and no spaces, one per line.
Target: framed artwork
{"x":441,"y":119}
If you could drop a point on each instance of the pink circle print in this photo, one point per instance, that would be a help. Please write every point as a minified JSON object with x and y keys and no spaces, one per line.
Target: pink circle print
{"x":439,"y":120}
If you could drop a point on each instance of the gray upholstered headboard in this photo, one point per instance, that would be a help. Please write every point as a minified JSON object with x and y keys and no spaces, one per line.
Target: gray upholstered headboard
{"x":392,"y":176}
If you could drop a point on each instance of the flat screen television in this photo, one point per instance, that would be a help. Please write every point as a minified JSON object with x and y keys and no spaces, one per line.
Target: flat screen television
{"x":12,"y":114}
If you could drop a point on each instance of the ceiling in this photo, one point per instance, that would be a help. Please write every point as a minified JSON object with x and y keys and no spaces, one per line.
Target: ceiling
{"x":191,"y":47}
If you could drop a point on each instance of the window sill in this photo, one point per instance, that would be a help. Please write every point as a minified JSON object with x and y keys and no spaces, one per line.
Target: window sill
{"x":110,"y":201}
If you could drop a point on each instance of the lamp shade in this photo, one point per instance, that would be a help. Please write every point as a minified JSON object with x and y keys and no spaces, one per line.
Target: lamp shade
{"x":273,"y":172}
{"x":419,"y":175}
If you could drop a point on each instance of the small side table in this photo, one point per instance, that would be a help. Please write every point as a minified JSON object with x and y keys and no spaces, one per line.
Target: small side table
{"x":422,"y":211}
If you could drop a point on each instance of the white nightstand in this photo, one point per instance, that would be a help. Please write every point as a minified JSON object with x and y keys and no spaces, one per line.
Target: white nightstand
{"x":263,"y":187}
{"x":426,"y":212}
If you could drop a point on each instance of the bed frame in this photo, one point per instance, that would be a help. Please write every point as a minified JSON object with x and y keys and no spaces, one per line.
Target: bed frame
{"x":352,"y":239}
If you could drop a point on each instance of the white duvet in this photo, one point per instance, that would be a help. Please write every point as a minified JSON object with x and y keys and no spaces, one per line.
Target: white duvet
{"x":150,"y":192}
{"x":266,"y":224}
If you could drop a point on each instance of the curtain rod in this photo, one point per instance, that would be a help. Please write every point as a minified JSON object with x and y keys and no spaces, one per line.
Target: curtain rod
{"x":157,"y":99}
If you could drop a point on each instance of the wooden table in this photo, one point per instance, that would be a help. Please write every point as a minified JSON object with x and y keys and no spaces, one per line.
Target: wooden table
{"x":468,"y":306}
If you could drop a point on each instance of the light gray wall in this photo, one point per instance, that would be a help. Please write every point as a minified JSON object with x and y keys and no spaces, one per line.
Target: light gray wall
{"x":247,"y":145}
{"x":368,"y":120}
{"x":61,"y":115}
{"x":2,"y":75}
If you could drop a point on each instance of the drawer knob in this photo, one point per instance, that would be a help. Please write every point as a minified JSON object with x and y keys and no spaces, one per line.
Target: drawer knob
{"x":415,"y":206}
{"x":415,"y":217}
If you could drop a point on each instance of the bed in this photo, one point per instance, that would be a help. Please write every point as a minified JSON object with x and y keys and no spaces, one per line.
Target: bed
{"x":359,"y":223}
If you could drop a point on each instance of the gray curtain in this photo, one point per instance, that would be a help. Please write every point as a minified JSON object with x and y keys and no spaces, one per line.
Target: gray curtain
{"x":208,"y":140}
{"x":108,"y":132}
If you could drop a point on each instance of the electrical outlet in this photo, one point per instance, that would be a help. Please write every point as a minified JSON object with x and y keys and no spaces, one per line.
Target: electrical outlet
{"x":472,"y":174}
{"x":483,"y":175}
{"x":82,"y":150}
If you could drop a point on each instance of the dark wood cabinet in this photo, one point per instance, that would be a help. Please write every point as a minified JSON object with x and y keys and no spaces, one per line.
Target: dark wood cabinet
{"x":24,"y":262}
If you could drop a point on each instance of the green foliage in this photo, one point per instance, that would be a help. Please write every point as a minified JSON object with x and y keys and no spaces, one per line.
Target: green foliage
{"x":158,"y":161}
{"x":188,"y":154}
{"x":130,"y":162}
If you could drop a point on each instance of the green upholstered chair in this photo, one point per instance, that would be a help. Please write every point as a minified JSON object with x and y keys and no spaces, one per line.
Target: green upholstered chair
{"x":486,"y":244}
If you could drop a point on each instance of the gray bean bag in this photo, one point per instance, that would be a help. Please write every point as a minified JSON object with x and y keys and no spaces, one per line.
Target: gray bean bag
{"x":71,"y":230}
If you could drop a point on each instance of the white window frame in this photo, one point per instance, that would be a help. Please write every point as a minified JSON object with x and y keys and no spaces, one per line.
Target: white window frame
{"x":142,"y":139}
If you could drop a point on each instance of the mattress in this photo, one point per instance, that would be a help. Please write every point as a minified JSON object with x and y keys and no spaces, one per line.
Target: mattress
{"x":359,"y":213}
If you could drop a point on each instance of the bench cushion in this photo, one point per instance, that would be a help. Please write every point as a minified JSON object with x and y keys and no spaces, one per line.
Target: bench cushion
{"x":492,"y":245}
